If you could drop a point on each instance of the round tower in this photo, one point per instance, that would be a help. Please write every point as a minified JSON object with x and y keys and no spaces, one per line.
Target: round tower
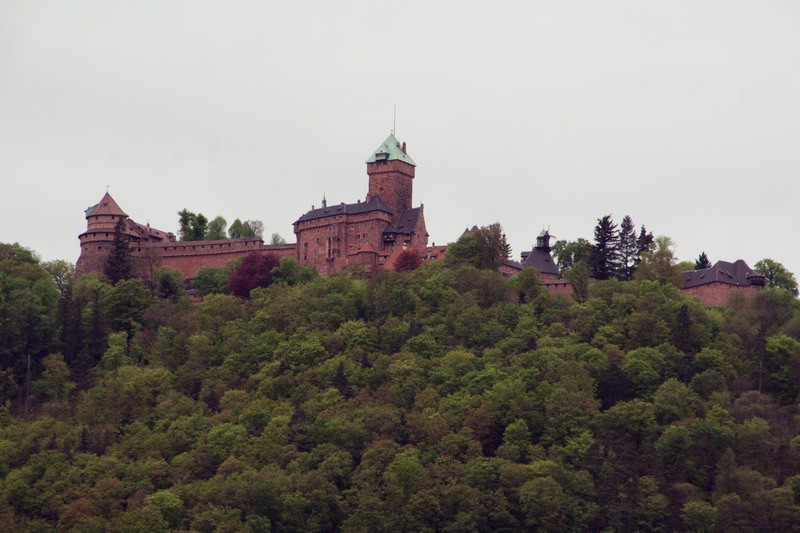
{"x":391,"y":174}
{"x":96,"y":241}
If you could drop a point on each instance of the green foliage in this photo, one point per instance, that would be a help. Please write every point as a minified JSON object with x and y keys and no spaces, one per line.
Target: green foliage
{"x":210,"y":280}
{"x":217,"y":229}
{"x":248,"y":228}
{"x":777,"y":275}
{"x":659,"y":264}
{"x":485,"y":247}
{"x":445,"y":398}
{"x":192,"y":226}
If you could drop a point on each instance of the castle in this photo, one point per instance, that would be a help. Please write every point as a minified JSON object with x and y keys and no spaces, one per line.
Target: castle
{"x":371,"y":233}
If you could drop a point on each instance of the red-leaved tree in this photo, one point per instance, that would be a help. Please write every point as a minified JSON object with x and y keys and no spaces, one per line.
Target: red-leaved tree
{"x":407,"y":260}
{"x":254,"y":271}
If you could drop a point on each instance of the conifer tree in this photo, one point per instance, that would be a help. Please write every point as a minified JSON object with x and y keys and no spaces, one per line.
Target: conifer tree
{"x":628,"y":249}
{"x":605,"y":250}
{"x":118,"y":264}
{"x":644,"y":241}
{"x":702,"y":262}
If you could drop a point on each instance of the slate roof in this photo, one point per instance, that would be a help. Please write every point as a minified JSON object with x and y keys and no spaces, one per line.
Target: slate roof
{"x":106,"y":206}
{"x":390,"y":149}
{"x":541,"y":260}
{"x":374,"y":204}
{"x":147,"y":232}
{"x":406,"y":223}
{"x":736,"y":273}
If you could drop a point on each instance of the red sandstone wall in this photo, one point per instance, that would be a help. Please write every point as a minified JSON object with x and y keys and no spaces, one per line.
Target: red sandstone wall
{"x":326,"y":242}
{"x":189,"y":256}
{"x":716,"y":294}
{"x":558,"y":287}
{"x":393,"y":182}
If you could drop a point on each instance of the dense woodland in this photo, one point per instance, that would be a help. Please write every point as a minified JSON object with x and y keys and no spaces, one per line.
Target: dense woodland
{"x":441,"y":398}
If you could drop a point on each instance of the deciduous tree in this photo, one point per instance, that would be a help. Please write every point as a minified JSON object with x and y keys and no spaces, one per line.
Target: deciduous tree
{"x":254,"y":271}
{"x":777,"y":275}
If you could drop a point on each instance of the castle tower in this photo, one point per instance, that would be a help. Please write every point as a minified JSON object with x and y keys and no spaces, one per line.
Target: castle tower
{"x":391,"y":173}
{"x":101,"y":220}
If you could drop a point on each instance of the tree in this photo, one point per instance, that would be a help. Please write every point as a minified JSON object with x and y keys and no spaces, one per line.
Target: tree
{"x":777,"y":275}
{"x":578,"y":276}
{"x":485,"y":247}
{"x":168,"y":283}
{"x":277,"y":239}
{"x":125,"y":303}
{"x":62,"y":272}
{"x":407,"y":260}
{"x":235,"y":231}
{"x":193,"y":226}
{"x":569,"y":253}
{"x":604,"y":259}
{"x":644,"y":241}
{"x":213,"y":280}
{"x":55,"y":383}
{"x":659,"y":264}
{"x":254,"y":228}
{"x":702,"y":262}
{"x":628,"y":249}
{"x":254,"y":271}
{"x":118,"y":264}
{"x":216,"y":229}
{"x":527,"y":285}
{"x":248,"y":228}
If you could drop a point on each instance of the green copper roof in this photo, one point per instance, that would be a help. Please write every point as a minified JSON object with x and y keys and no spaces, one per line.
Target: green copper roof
{"x":389,"y":150}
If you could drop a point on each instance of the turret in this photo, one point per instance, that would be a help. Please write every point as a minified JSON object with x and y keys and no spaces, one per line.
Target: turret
{"x":391,"y":173}
{"x":101,"y":221}
{"x":543,"y":241}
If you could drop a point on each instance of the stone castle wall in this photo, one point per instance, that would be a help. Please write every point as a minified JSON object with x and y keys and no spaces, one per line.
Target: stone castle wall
{"x":189,"y":256}
{"x":717,"y":293}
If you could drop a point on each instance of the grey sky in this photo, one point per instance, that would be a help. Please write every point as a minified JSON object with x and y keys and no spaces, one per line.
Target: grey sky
{"x":684,"y":115}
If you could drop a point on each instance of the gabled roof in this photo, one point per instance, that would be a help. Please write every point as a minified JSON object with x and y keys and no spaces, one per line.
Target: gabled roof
{"x":106,"y":206}
{"x":407,"y":222}
{"x":391,"y":149}
{"x":374,"y":204}
{"x":736,"y":273}
{"x":541,"y":260}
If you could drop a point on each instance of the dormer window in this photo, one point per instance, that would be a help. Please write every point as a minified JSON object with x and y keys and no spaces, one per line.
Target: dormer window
{"x":381,"y":156}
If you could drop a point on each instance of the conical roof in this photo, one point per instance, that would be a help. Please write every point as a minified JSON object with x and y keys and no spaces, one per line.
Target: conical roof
{"x":106,"y":206}
{"x":389,"y":150}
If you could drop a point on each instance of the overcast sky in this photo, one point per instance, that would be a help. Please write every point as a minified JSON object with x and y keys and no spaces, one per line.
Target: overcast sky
{"x":683,"y":115}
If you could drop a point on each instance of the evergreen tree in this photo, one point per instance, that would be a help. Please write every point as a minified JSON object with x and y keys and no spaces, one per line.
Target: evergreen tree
{"x":605,"y":251}
{"x":118,"y":264}
{"x":702,"y":262}
{"x":628,"y":249}
{"x":644,"y":241}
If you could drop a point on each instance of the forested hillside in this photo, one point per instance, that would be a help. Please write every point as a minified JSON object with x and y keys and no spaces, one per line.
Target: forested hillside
{"x":440,"y":399}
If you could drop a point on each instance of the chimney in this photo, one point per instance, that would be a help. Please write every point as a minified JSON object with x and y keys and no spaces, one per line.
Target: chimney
{"x":404,"y":147}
